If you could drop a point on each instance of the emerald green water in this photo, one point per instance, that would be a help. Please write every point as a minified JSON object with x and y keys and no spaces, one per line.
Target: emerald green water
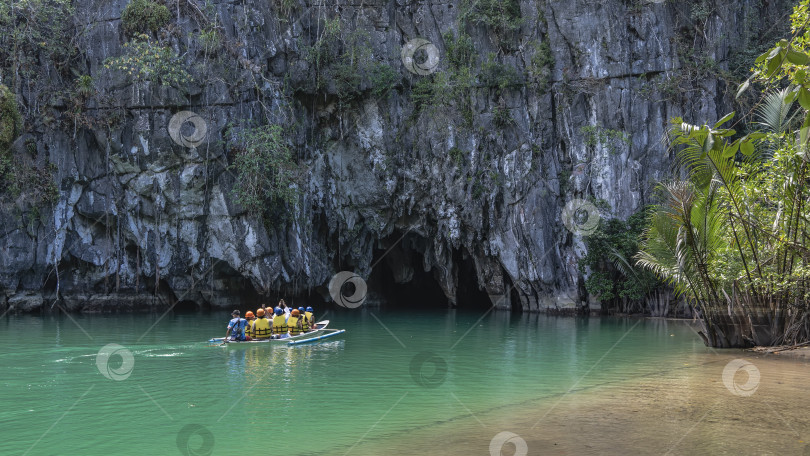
{"x":395,"y":382}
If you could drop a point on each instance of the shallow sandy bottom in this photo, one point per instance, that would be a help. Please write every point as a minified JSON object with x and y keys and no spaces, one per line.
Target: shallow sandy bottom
{"x":685,"y":409}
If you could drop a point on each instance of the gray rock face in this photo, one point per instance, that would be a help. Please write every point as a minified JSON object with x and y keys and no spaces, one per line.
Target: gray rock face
{"x":144,"y":220}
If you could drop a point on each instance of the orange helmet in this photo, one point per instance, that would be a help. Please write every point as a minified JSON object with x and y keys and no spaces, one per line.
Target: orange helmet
{"x":249,"y":314}
{"x":260,"y":312}
{"x":295,"y":313}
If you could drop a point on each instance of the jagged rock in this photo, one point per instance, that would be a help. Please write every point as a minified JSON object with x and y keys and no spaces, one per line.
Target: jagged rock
{"x":467,"y":207}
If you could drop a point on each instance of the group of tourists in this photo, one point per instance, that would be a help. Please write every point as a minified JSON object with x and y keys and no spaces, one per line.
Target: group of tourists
{"x":279,"y":323}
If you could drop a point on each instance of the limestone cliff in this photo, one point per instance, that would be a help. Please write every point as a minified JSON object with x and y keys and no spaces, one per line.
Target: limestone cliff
{"x":445,"y":163}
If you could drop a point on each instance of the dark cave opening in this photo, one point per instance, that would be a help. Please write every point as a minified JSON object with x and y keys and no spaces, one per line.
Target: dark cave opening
{"x":399,"y":280}
{"x":422,"y":291}
{"x":187,"y":306}
{"x":469,"y":294}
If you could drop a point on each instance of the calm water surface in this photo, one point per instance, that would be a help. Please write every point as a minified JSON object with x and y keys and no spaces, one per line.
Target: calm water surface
{"x":394,"y":383}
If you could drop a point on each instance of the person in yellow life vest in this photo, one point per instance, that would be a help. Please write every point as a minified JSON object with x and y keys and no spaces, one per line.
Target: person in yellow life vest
{"x":261,"y":326}
{"x":279,"y":324}
{"x":249,"y":325}
{"x":306,"y":325}
{"x":294,"y":323}
{"x":310,"y":313}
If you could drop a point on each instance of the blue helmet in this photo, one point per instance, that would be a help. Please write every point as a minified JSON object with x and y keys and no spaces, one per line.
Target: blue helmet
{"x":301,"y":309}
{"x":309,"y":309}
{"x":278,"y":311}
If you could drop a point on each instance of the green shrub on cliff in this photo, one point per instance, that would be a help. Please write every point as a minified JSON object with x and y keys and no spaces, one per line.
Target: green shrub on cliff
{"x":34,"y":34}
{"x":146,"y":60}
{"x":16,"y":176}
{"x":10,"y":119}
{"x":142,"y":16}
{"x":341,"y":63}
{"x":267,"y":174}
{"x":501,"y":16}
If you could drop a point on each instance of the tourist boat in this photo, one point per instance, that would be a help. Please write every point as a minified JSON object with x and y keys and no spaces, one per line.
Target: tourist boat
{"x":320,"y":332}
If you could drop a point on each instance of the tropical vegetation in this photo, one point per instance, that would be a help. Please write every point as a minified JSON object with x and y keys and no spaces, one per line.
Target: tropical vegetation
{"x":730,"y":236}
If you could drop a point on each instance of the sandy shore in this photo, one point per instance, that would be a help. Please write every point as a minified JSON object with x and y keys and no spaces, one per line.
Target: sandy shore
{"x":688,"y":409}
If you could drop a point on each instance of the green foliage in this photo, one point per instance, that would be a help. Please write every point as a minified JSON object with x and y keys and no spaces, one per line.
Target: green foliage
{"x":450,"y":88}
{"x":732,"y":234}
{"x":146,"y":60}
{"x":267,"y":174}
{"x":33,"y":31}
{"x":10,"y":119}
{"x":144,"y":16}
{"x":343,"y":65}
{"x":422,"y":93}
{"x":787,"y":61}
{"x":383,"y":79}
{"x":613,"y":279}
{"x":460,"y":51}
{"x":85,"y":86}
{"x":457,"y":155}
{"x":501,"y":16}
{"x":501,"y":117}
{"x":541,"y":64}
{"x":497,"y":75}
{"x":287,"y":6}
{"x":595,"y":135}
{"x":18,"y":177}
{"x":700,"y":11}
{"x":210,"y":40}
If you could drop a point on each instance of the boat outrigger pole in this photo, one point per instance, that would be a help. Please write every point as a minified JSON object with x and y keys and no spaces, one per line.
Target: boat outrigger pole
{"x":313,"y":339}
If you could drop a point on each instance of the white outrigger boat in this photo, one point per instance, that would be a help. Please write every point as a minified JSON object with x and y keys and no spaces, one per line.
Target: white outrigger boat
{"x":320,"y":332}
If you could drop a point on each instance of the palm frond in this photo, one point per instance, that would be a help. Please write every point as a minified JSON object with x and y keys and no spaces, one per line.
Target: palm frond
{"x":776,"y":113}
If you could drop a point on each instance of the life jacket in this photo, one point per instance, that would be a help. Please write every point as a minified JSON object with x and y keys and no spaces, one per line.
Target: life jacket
{"x":261,"y":328}
{"x":237,"y":326}
{"x":293,"y":324}
{"x":305,"y":326}
{"x":279,"y":325}
{"x":311,"y":318}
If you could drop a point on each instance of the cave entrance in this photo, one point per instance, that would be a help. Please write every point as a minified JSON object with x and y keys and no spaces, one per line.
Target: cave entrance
{"x":186,"y":306}
{"x":469,"y":294}
{"x":399,"y":280}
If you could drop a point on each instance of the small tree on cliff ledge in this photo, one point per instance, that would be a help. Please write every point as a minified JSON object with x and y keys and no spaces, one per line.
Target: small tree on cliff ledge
{"x":732,"y":236}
